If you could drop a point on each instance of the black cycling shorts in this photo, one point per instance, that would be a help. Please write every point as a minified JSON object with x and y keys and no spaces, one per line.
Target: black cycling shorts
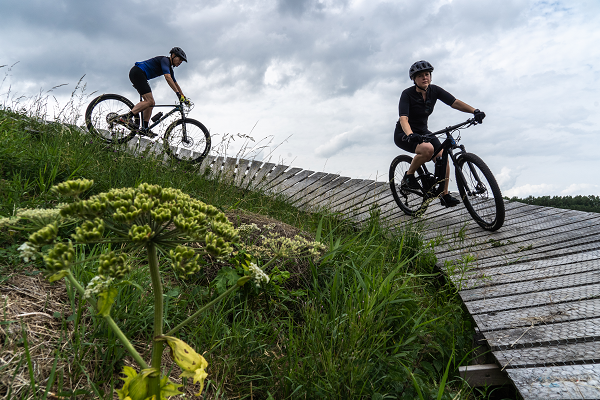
{"x":399,"y":139}
{"x":137,"y":76}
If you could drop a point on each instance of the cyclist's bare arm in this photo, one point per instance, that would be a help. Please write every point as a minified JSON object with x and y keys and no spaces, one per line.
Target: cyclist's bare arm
{"x":462,"y":106}
{"x":405,"y":125}
{"x":173,"y":84}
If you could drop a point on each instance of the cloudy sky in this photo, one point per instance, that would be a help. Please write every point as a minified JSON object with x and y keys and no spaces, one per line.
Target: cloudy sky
{"x":320,"y":79}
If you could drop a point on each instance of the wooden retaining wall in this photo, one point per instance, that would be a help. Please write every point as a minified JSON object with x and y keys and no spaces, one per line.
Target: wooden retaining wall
{"x":533,"y":287}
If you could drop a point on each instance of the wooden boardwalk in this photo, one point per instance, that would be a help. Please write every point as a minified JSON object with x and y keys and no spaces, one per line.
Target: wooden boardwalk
{"x":533,"y":287}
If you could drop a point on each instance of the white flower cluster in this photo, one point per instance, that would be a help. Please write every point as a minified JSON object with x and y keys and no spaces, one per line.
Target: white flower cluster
{"x":96,"y":286}
{"x":43,"y":214}
{"x":247,"y":229}
{"x":28,"y":251}
{"x":7,"y":221}
{"x":258,"y":274}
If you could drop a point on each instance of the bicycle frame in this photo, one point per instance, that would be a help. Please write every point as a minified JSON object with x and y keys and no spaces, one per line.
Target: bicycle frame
{"x":449,"y":145}
{"x":177,"y":107}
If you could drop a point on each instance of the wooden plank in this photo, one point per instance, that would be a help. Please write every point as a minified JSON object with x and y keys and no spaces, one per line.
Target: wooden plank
{"x":519,"y":216}
{"x":215,"y":168}
{"x":243,"y":165}
{"x":538,"y":264}
{"x":322,"y":193}
{"x":530,"y":245}
{"x":540,"y":333}
{"x":206,"y":165}
{"x":361,"y":199}
{"x":557,"y":382}
{"x":258,"y":178}
{"x":271,"y":176}
{"x":342,"y":192}
{"x":379,"y":197}
{"x":306,"y":186}
{"x":523,"y":317}
{"x":350,"y":194}
{"x":580,"y":353}
{"x":272,"y":187}
{"x":479,"y":279}
{"x":287,"y":187}
{"x":309,"y":196}
{"x":544,"y":231}
{"x":228,"y":172}
{"x":555,"y":296}
{"x":568,"y":248}
{"x":254,"y":168}
{"x":530,"y":286}
{"x":483,"y":375}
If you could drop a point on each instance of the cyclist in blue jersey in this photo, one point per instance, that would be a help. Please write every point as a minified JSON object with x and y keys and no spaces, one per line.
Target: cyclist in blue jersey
{"x":415,"y":107}
{"x":141,"y":73}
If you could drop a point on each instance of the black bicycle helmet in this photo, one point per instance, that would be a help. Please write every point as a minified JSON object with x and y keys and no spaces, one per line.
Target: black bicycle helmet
{"x":419,"y":66}
{"x":179,"y":53}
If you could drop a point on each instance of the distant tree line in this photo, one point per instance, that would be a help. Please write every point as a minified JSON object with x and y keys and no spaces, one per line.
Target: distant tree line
{"x":581,"y":203}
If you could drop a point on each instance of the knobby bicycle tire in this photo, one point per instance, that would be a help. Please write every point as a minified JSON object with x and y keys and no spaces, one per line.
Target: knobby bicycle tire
{"x":101,"y":114}
{"x":480,"y":192}
{"x":197,"y":145}
{"x":409,"y":202}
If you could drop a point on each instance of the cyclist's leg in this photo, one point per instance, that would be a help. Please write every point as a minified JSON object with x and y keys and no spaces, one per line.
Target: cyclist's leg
{"x":423,"y":153}
{"x":140,"y":83}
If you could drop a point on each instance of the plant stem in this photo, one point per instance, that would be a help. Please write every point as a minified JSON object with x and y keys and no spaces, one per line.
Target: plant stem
{"x":111,"y":323}
{"x":157,"y":346}
{"x":206,"y":307}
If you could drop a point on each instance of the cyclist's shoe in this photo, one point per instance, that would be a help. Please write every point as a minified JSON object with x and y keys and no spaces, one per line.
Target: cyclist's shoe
{"x":410,"y":182}
{"x":125,"y":121}
{"x":147,"y":132}
{"x":449,"y":201}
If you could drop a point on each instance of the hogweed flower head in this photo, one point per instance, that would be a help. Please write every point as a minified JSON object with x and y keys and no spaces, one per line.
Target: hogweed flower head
{"x":89,"y":231}
{"x":46,"y":235}
{"x":112,"y":265}
{"x":258,"y":275}
{"x":73,"y":188}
{"x":184,"y":261}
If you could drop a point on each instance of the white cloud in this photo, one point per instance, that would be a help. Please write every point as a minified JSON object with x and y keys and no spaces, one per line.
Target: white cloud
{"x":541,"y":189}
{"x":508,"y":177}
{"x":578,"y":188}
{"x":340,"y":142}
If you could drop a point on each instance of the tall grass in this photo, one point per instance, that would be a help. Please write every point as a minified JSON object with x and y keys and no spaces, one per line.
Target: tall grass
{"x":369,"y":319}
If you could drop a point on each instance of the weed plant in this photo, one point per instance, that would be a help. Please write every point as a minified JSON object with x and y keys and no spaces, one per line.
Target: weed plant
{"x":368,"y":318}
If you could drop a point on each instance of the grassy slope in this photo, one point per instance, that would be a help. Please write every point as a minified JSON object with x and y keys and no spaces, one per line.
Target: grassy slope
{"x":369,"y":307}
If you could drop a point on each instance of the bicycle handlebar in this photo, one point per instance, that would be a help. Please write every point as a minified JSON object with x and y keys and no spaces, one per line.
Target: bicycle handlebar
{"x":469,"y":122}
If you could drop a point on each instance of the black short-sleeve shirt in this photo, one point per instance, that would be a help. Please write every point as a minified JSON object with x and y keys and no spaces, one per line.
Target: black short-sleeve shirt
{"x":418,"y":110}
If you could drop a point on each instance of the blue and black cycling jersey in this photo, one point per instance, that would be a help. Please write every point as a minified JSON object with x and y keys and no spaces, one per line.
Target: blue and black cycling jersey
{"x":156,"y":66}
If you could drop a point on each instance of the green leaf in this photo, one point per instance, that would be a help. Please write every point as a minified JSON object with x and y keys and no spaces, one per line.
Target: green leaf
{"x":59,"y":275}
{"x":106,"y":300}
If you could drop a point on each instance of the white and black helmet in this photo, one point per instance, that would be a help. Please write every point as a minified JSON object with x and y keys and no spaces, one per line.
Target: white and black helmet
{"x":178,"y":53}
{"x":419,"y":66}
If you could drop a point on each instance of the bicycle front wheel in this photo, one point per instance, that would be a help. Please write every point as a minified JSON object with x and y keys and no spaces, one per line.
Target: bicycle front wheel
{"x":409,"y":200}
{"x":187,"y":140}
{"x":480,"y":192}
{"x":101,"y":118}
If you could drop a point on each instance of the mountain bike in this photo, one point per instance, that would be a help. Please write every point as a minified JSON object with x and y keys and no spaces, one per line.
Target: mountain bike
{"x":184,"y":139}
{"x":477,"y":186}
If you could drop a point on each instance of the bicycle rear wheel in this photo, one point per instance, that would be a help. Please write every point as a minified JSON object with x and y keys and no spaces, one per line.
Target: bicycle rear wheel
{"x":480,"y":192}
{"x":409,"y":200}
{"x":193,"y":146}
{"x":101,"y":118}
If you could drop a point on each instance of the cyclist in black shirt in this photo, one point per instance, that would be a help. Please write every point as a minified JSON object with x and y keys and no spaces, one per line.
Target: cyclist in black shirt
{"x":416,"y":104}
{"x":139,"y":75}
